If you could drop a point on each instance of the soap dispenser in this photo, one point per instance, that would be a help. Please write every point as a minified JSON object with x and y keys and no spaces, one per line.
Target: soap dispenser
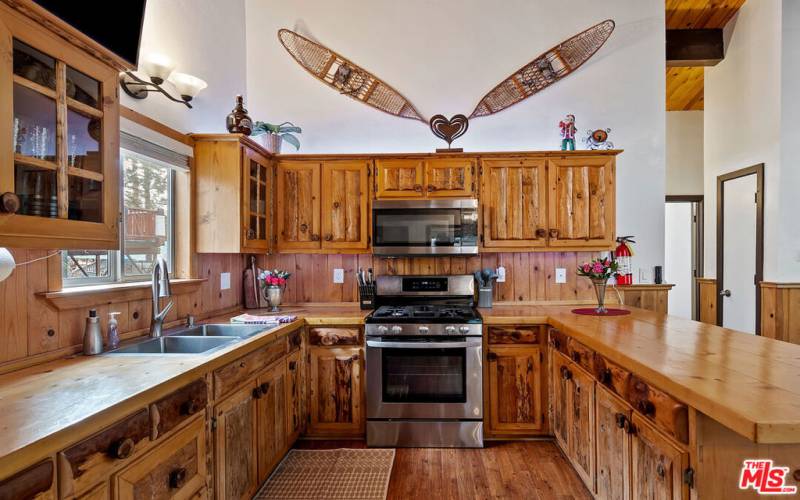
{"x":113,"y":330}
{"x":92,"y":335}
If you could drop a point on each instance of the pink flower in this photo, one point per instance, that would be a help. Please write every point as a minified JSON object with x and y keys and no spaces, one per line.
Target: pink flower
{"x":597,"y":267}
{"x":587,"y":267}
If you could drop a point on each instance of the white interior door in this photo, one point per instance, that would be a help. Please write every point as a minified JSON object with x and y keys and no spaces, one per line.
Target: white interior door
{"x":739,"y":254}
{"x":678,"y":258}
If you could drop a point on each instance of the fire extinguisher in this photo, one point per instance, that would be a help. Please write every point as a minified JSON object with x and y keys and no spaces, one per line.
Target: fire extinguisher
{"x":623,"y":254}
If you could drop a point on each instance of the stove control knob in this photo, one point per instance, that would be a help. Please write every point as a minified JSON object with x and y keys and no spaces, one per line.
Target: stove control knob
{"x":383,"y":329}
{"x":450,"y":330}
{"x":424,"y":329}
{"x":397,"y":329}
{"x":463,"y":329}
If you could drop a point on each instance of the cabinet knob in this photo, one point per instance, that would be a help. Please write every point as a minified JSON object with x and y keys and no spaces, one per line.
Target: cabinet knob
{"x":251,"y":235}
{"x":565,"y":373}
{"x":541,"y":233}
{"x":620,"y":419}
{"x":660,"y":470}
{"x":177,"y":478}
{"x":122,"y":449}
{"x":491,"y":356}
{"x":292,"y":365}
{"x":418,"y":188}
{"x":554,"y":233}
{"x":314,"y":237}
{"x":431,"y":188}
{"x":335,"y":204}
{"x":257,"y":393}
{"x":9,"y":203}
{"x":264,"y":387}
{"x":605,"y":376}
{"x":304,"y":227}
{"x":189,"y":407}
{"x":628,"y":427}
{"x":646,"y":407}
{"x":576,"y":356}
{"x":328,"y":237}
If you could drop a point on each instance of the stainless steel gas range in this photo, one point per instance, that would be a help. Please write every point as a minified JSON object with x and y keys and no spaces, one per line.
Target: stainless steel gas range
{"x":424,"y":363}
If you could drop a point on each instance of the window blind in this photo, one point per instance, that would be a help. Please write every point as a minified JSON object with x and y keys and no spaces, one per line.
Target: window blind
{"x":147,"y":148}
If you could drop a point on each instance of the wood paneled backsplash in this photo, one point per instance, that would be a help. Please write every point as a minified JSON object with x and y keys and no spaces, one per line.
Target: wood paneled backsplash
{"x":529,"y":276}
{"x":32,"y":329}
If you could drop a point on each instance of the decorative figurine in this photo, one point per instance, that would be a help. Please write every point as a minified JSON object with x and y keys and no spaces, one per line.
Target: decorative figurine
{"x":598,"y":139}
{"x":568,"y":130}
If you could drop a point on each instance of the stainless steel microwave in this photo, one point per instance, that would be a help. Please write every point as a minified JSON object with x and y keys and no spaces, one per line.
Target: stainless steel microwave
{"x":425,"y":227}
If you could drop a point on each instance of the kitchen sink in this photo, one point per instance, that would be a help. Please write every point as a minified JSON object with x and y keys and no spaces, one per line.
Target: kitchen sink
{"x":176,"y":345}
{"x":220,"y":330}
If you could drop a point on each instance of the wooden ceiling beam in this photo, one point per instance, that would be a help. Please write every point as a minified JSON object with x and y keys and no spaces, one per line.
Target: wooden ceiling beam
{"x":694,"y":47}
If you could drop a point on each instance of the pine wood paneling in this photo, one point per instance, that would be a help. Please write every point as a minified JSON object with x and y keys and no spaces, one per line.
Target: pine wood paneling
{"x":345,"y":204}
{"x":450,"y":177}
{"x":708,"y":300}
{"x":685,"y":88}
{"x":780,"y":311}
{"x":515,"y":389}
{"x":399,"y":178}
{"x":298,"y":205}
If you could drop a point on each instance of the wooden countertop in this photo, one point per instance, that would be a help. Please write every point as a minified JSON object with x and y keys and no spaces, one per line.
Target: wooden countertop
{"x":746,"y":382}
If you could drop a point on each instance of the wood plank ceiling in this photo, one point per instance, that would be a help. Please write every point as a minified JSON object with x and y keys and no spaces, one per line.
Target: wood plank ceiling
{"x":685,"y":85}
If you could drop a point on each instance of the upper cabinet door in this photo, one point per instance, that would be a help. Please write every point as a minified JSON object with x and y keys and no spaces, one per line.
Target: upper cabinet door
{"x":399,"y":178}
{"x":450,"y":177}
{"x":581,"y":208}
{"x":514,"y":195}
{"x":256,"y":209}
{"x":298,"y":205}
{"x":345,"y":204}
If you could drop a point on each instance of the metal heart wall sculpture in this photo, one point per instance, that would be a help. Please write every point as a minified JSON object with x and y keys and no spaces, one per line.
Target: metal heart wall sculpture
{"x":451,"y":129}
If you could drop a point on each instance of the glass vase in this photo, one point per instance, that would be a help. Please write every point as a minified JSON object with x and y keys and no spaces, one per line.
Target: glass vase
{"x":600,"y":292}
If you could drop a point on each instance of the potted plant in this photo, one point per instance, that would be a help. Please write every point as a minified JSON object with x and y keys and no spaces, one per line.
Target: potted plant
{"x":599,"y":271}
{"x":273,"y":284}
{"x":272,"y":136}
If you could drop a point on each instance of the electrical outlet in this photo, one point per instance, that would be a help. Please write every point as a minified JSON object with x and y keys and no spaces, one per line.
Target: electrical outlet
{"x":338,"y":275}
{"x":501,"y":274}
{"x":561,"y":275}
{"x":225,"y":281}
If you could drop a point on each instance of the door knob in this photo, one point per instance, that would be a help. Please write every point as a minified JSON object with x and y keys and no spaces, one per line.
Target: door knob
{"x":725,"y":293}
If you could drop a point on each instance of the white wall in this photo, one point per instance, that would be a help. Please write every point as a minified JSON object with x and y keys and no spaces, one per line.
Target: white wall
{"x":743,"y":119}
{"x":444,"y":56}
{"x":205,"y":38}
{"x":684,"y":152}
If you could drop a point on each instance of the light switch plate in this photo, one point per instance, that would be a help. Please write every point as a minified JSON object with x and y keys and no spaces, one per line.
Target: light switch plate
{"x":338,"y":275}
{"x":501,"y":274}
{"x":561,"y":275}
{"x":644,"y":275}
{"x":225,"y":281}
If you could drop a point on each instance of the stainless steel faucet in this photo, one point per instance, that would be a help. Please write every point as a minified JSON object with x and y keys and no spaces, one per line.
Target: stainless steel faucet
{"x":160,"y":287}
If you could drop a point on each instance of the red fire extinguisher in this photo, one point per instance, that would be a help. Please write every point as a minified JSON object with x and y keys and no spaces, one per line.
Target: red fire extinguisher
{"x":623,"y":254}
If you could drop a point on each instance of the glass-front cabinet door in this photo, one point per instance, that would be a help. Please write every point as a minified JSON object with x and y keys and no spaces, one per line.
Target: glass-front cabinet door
{"x":258,"y":209}
{"x":60,"y":142}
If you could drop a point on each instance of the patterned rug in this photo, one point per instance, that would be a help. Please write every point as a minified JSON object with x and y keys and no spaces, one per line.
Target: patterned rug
{"x":331,"y":474}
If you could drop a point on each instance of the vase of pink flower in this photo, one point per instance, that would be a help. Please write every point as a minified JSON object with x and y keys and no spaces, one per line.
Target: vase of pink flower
{"x":599,"y":271}
{"x":273,"y":284}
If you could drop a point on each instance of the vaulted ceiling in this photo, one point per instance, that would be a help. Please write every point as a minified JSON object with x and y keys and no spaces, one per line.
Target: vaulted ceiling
{"x":685,"y":84}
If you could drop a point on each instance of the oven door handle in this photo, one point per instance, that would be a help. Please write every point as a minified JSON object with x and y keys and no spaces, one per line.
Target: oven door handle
{"x":423,"y":345}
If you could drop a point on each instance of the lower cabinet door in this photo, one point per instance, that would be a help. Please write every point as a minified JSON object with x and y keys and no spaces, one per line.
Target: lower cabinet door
{"x":236,"y":446}
{"x":271,"y":404}
{"x":560,"y":389}
{"x":175,"y":468}
{"x":335,"y":392}
{"x":613,"y":446}
{"x":657,"y":464}
{"x":294,"y":396}
{"x":515,"y":378}
{"x":581,"y":430}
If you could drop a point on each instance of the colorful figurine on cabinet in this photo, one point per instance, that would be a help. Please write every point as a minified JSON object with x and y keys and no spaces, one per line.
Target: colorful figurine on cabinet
{"x":568,"y":131}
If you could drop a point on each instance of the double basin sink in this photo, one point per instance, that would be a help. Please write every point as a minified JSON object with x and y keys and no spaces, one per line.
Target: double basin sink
{"x":199,"y":339}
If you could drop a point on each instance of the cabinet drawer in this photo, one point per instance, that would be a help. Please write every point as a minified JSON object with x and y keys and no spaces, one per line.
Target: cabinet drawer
{"x":514,"y":334}
{"x":581,"y":355}
{"x":34,"y":482}
{"x":94,"y":459}
{"x":176,"y":408}
{"x":174,"y":469}
{"x":558,"y":341}
{"x":669,"y":414}
{"x":334,"y":336}
{"x":611,"y":375}
{"x":234,"y":374}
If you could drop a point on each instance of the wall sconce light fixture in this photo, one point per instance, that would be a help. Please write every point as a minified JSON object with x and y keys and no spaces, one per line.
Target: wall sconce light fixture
{"x":159,"y":69}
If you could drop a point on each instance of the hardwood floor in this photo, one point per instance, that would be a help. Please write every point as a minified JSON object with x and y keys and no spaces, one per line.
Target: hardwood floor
{"x":522,"y":469}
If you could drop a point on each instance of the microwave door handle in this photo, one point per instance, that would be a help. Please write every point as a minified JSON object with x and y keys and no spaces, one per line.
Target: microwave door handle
{"x":423,"y":345}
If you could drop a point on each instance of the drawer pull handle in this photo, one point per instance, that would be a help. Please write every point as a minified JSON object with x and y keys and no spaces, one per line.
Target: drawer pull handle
{"x":646,"y":407}
{"x":257,"y":393}
{"x":605,"y":376}
{"x":661,"y":471}
{"x":189,"y":407}
{"x":264,"y":387}
{"x":177,"y":478}
{"x":122,"y":449}
{"x":565,"y":373}
{"x":621,"y":419}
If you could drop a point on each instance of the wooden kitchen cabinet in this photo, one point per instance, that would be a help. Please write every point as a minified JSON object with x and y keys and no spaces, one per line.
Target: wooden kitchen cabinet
{"x":657,"y":464}
{"x":336,"y":392}
{"x":514,"y":198}
{"x":234,"y":180}
{"x":272,"y":424}
{"x":399,"y":178}
{"x":425,"y":178}
{"x":59,"y":137}
{"x":236,"y":444}
{"x":35,"y":482}
{"x":176,"y":468}
{"x":297,"y":203}
{"x":613,"y":446}
{"x":581,"y":209}
{"x":515,"y":389}
{"x":450,"y":177}
{"x":295,"y":395}
{"x":345,"y":204}
{"x":559,"y":399}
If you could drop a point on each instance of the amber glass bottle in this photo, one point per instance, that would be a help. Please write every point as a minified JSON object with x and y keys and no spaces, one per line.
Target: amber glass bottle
{"x":238,"y":122}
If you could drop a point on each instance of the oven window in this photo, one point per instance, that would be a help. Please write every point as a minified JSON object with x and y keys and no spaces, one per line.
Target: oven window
{"x":418,"y":227}
{"x":424,"y":375}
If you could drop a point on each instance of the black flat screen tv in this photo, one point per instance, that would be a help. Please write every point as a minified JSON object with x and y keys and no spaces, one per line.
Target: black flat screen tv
{"x":116,"y":26}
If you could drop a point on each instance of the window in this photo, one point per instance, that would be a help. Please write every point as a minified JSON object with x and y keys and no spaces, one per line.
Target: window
{"x":148,"y":205}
